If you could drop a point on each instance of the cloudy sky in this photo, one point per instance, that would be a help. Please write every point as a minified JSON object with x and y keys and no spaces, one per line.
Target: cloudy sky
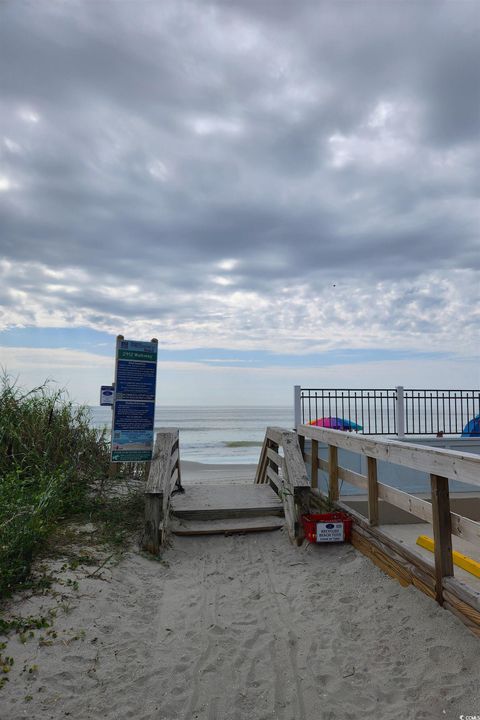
{"x":281,"y":192}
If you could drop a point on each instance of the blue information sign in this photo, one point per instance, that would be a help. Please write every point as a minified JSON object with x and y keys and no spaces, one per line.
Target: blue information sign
{"x":134,"y":407}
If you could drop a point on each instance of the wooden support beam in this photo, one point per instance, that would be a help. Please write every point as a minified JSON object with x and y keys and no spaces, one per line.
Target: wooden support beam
{"x":314,"y":464}
{"x":372,"y":491}
{"x":332,"y":473}
{"x":272,"y":463}
{"x":350,"y":476}
{"x":153,"y":518}
{"x":442,"y":532}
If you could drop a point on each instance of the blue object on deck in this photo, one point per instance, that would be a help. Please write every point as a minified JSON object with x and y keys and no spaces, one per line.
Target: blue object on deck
{"x":472,"y":428}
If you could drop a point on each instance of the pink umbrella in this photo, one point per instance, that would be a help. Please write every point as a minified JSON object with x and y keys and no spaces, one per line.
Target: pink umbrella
{"x":335,"y":423}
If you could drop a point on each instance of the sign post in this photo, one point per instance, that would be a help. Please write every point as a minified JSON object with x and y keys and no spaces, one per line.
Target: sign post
{"x":134,"y":400}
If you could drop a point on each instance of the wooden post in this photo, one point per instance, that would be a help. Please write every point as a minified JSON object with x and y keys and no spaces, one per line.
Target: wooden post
{"x":314,"y":464}
{"x":301,"y":442}
{"x":332,"y":473}
{"x":153,"y":518}
{"x":372,"y":491}
{"x":442,"y":533}
{"x":297,"y":406}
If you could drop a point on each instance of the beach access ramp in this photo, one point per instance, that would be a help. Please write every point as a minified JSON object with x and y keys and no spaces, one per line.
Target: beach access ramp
{"x":202,"y":509}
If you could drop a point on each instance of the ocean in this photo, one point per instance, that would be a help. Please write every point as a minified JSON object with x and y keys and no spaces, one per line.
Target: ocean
{"x":218,"y":435}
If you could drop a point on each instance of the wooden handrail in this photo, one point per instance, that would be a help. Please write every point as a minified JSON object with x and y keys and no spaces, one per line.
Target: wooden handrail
{"x":440,"y":464}
{"x":163,"y":476}
{"x":453,"y":464}
{"x":286,"y":473}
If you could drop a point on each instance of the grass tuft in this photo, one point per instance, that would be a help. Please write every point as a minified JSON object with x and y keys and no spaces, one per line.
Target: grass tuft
{"x":51,"y":462}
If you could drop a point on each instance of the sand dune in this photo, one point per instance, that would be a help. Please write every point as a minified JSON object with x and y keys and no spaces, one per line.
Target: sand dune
{"x":246,"y":628}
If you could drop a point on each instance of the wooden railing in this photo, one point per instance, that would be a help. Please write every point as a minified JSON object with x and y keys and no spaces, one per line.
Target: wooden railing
{"x":164,"y":475}
{"x":281,"y":464}
{"x":440,"y":464}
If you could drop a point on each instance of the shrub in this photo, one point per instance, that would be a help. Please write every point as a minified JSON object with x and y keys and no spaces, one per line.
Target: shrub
{"x":50,"y":459}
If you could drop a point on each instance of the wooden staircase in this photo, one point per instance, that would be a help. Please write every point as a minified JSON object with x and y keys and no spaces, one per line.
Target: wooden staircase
{"x":226,"y":509}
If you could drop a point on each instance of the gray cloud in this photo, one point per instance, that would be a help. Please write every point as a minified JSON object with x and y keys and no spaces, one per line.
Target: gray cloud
{"x":313,"y":143}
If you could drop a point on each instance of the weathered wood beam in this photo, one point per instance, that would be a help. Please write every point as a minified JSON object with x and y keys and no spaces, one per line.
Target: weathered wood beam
{"x":442,"y":532}
{"x":372,"y":491}
{"x":332,"y":473}
{"x":453,"y":464}
{"x":314,"y":464}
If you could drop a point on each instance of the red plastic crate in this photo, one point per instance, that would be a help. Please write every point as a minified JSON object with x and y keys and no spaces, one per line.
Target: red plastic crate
{"x":309,"y":523}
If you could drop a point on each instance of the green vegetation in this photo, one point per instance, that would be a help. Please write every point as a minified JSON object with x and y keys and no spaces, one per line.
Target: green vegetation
{"x":53,"y":466}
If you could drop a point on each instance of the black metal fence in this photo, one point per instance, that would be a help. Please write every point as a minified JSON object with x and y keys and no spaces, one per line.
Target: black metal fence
{"x":433,"y":412}
{"x":390,"y":411}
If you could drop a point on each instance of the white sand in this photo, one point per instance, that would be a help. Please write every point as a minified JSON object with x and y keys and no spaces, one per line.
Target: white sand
{"x":245,"y":628}
{"x":203,"y":473}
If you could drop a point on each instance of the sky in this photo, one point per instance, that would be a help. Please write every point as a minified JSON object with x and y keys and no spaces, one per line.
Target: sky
{"x":281,"y":192}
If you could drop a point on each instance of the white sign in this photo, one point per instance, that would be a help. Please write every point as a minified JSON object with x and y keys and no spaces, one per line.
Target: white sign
{"x":107,"y":394}
{"x":330,"y":532}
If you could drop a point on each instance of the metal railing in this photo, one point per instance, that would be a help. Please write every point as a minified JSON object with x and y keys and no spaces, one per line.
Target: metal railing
{"x":433,"y":412}
{"x":388,"y":411}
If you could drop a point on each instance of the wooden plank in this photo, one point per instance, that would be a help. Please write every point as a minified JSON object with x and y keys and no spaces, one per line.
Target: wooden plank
{"x":453,"y":464}
{"x":412,"y":504}
{"x":226,"y":526}
{"x":463,"y":591}
{"x":314,"y":464}
{"x":377,"y":532}
{"x":293,"y":463}
{"x":442,"y":532}
{"x":323,"y":464}
{"x":152,"y":525}
{"x":351,"y":477}
{"x":160,"y":470}
{"x":395,"y":552}
{"x":465,"y":528}
{"x":273,"y":476}
{"x":472,"y":626}
{"x":294,"y":476}
{"x":174,"y":459}
{"x":372,"y":491}
{"x":274,"y":458}
{"x":275,"y":434}
{"x":223,"y":501}
{"x":332,"y":473}
{"x":260,"y":476}
{"x":301,"y":444}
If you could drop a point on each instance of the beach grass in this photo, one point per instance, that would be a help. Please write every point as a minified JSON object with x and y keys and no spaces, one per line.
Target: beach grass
{"x":50,"y":462}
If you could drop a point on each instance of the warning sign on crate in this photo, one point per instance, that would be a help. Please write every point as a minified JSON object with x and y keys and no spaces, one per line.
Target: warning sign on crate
{"x":330,"y":532}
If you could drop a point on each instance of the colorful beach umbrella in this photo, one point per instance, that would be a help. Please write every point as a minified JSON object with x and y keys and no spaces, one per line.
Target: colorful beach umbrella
{"x":472,"y":428}
{"x":335,"y":423}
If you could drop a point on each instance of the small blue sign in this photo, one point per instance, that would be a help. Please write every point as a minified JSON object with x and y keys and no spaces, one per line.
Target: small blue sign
{"x":107,"y":395}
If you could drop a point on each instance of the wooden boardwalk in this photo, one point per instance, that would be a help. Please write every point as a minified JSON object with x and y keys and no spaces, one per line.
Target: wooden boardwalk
{"x":208,"y":509}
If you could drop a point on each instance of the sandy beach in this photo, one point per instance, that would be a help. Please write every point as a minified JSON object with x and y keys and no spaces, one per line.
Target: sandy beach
{"x":240,"y":628}
{"x":203,"y":473}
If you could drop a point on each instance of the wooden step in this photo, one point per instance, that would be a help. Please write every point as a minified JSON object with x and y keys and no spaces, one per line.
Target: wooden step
{"x":227,"y":526}
{"x":217,"y":502}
